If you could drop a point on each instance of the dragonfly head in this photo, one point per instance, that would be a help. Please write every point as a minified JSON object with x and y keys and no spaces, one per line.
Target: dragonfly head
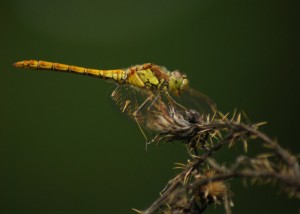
{"x":178,"y":83}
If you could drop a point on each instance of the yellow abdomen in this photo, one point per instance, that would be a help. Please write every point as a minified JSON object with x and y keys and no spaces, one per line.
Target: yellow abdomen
{"x":116,"y":75}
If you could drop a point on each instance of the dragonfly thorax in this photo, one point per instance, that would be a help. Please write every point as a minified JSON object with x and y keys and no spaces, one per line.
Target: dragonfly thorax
{"x":156,"y":78}
{"x":147,"y":76}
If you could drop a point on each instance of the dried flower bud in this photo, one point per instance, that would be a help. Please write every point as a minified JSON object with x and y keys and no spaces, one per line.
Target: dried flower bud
{"x":213,"y":192}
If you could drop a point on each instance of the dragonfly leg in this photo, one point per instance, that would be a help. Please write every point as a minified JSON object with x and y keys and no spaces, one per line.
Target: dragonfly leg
{"x":152,"y":104}
{"x":135,"y":115}
{"x":174,"y":102}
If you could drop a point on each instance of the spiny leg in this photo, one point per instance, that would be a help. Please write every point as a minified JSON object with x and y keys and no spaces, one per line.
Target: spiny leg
{"x":124,"y":100}
{"x":148,"y":109}
{"x":152,"y":104}
{"x":135,"y":114}
{"x":174,"y":101}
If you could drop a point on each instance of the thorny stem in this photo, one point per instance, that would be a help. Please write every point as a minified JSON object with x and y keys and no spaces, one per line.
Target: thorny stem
{"x":246,"y":173}
{"x":276,"y":147}
{"x":177,"y":181}
{"x":235,"y":130}
{"x":163,"y":198}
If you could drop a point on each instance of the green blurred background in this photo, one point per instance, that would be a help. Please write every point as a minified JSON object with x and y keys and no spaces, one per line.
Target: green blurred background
{"x":64,"y":146}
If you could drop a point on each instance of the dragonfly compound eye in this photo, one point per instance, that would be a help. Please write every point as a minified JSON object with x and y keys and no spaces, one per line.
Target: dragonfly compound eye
{"x":185,"y":84}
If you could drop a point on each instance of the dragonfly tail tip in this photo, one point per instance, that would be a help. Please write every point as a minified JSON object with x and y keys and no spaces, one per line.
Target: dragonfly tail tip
{"x":17,"y":64}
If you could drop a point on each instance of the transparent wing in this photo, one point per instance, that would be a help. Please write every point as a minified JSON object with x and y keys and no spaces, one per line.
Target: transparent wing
{"x":130,"y":98}
{"x":143,"y":103}
{"x":161,"y":112}
{"x":196,"y":100}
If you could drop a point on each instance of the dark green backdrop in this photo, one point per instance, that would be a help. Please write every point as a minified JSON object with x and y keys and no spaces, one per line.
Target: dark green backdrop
{"x":64,"y":146}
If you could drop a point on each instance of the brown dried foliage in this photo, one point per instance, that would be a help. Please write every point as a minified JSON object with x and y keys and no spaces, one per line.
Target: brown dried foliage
{"x":203,"y":181}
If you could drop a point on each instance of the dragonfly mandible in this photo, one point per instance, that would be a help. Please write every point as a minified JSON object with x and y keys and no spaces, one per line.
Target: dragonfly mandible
{"x":138,"y":87}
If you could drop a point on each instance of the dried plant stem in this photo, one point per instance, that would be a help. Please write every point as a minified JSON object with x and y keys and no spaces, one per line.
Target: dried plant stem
{"x":285,"y":169}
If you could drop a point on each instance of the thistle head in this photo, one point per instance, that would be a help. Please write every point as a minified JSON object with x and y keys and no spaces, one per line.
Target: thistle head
{"x":178,"y":82}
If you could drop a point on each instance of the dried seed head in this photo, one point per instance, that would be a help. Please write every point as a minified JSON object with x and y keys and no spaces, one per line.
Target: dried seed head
{"x":173,"y":123}
{"x":213,"y":192}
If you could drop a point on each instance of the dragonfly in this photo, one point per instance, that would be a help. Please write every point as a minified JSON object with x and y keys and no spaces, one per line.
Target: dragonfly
{"x":138,"y":88}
